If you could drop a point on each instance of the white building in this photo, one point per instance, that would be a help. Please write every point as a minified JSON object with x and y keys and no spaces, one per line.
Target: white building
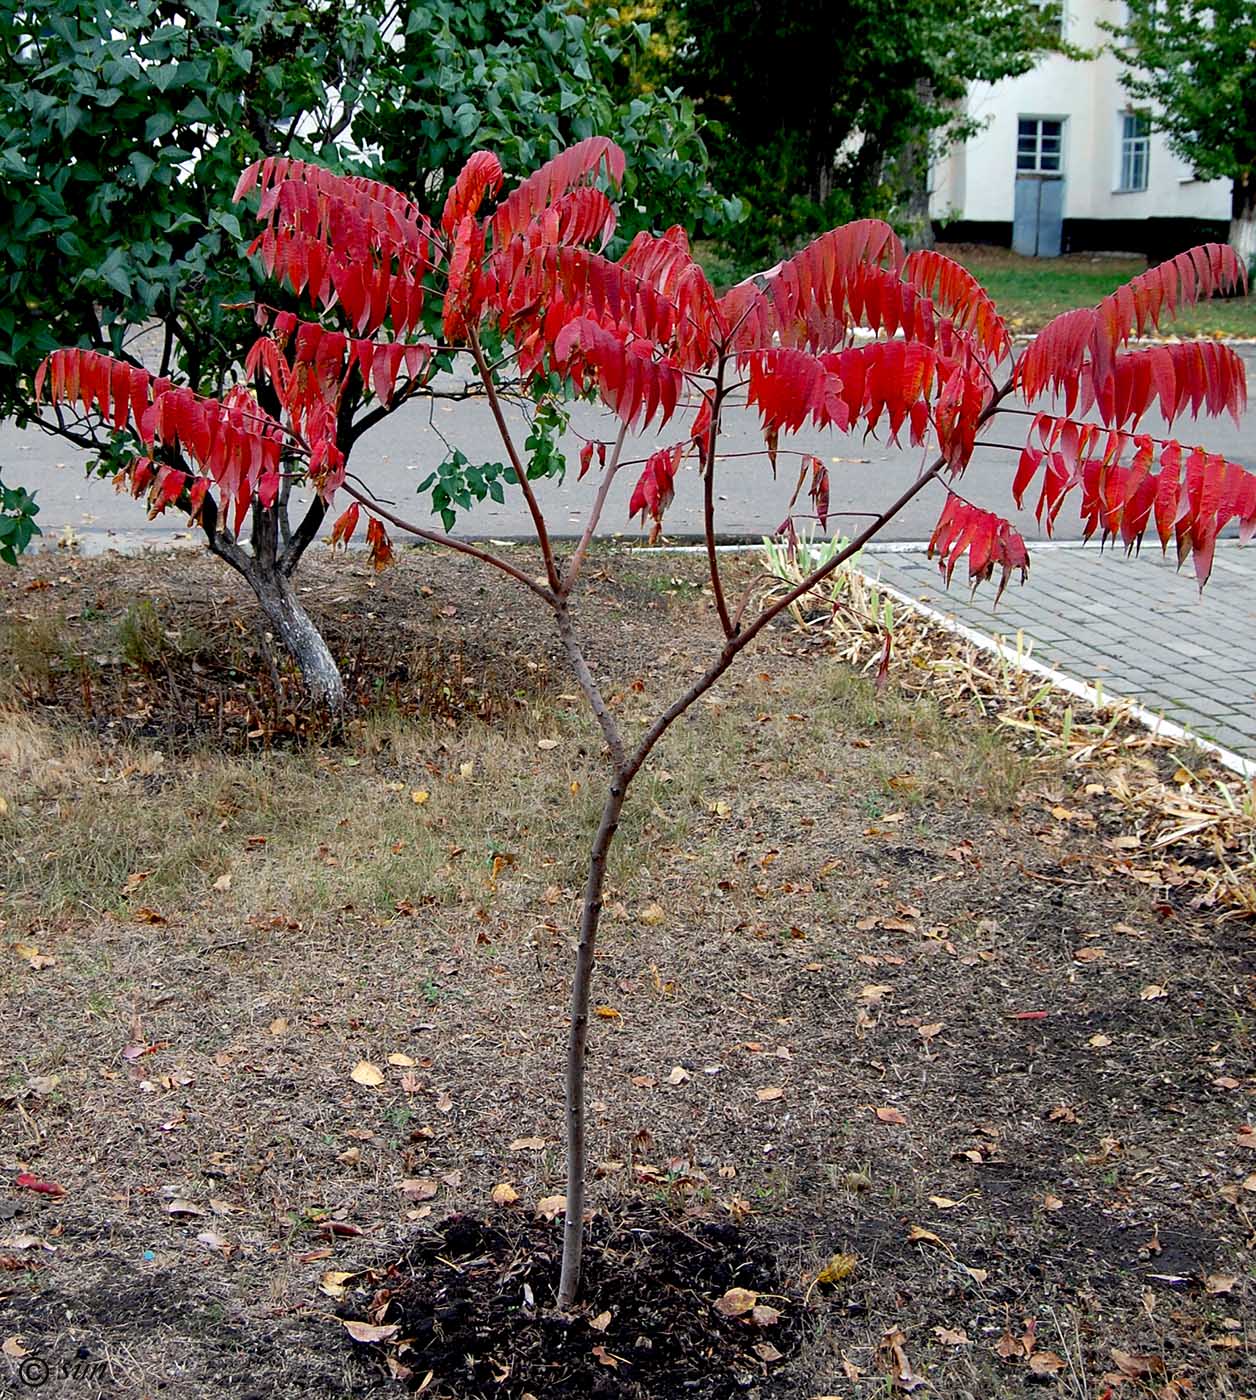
{"x":1064,"y":163}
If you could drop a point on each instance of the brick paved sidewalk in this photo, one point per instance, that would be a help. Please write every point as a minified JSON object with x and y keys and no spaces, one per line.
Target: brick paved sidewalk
{"x":1134,"y":624}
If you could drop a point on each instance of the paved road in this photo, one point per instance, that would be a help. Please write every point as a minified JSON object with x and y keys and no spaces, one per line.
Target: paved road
{"x":400,"y":452}
{"x":1134,"y":624}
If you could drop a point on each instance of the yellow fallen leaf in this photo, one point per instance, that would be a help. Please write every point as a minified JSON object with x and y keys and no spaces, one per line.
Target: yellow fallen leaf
{"x":222,"y":884}
{"x":607,"y":1013}
{"x":547,"y":744}
{"x":367,"y":1332}
{"x":719,"y":809}
{"x":679,"y":1075}
{"x":919,"y":1235}
{"x":504,"y":1194}
{"x":400,"y":1060}
{"x":419,"y":796}
{"x":944,"y":1202}
{"x":838,"y":1269}
{"x":1152,"y":992}
{"x":368,"y":1075}
{"x":601,"y":1322}
{"x":528,"y":1144}
{"x":652,"y":914}
{"x":772,"y":1091}
{"x":550,"y":1206}
{"x":334,"y":1281}
{"x":736,"y":1302}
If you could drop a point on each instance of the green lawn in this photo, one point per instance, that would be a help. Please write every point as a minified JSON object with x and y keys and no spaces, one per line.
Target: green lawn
{"x":1030,"y":291}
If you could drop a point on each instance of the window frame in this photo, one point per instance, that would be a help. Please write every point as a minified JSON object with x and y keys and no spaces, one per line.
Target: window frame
{"x":1133,"y":151}
{"x":1039,"y":158}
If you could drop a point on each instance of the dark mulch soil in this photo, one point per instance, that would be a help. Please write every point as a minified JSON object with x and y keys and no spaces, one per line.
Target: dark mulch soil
{"x":474,"y":1305}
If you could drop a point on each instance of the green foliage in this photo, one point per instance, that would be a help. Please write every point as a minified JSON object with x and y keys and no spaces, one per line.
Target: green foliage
{"x":457,"y":482}
{"x":526,"y":79}
{"x":861,"y":89}
{"x":1195,"y":63}
{"x":124,"y":124}
{"x":17,"y":521}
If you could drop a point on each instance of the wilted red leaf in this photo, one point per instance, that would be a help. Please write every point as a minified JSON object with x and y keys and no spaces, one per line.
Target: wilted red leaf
{"x":29,"y":1182}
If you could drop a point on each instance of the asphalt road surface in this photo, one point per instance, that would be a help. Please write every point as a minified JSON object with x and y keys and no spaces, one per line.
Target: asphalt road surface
{"x":399,"y":452}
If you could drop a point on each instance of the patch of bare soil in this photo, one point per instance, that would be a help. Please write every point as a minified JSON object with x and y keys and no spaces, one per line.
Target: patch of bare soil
{"x":886,"y":1033}
{"x":667,"y":1311}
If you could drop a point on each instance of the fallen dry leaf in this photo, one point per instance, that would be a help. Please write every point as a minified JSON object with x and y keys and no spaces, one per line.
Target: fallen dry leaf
{"x":891,"y":1115}
{"x":1045,"y":1363}
{"x":528,"y":1144}
{"x":838,"y":1269}
{"x":368,"y":1332}
{"x":401,"y":1061}
{"x":368,"y":1075}
{"x":548,"y":1207}
{"x":952,"y":1336}
{"x":504,"y":1194}
{"x":919,"y":1235}
{"x":28,"y":1181}
{"x":601,"y":1322}
{"x":773,"y":1091}
{"x":736,"y":1302}
{"x":419,"y":1188}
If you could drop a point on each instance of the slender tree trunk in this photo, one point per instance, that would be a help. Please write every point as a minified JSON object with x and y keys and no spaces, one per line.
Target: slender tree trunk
{"x":577,"y":1043}
{"x":914,"y":173}
{"x":296,"y":630}
{"x":1243,"y":219}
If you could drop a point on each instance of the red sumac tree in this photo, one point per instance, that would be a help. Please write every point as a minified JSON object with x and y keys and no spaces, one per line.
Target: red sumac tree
{"x":524,"y":292}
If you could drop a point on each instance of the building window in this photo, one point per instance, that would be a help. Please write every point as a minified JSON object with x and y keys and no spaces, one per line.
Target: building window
{"x":1040,"y":145}
{"x":1135,"y":150}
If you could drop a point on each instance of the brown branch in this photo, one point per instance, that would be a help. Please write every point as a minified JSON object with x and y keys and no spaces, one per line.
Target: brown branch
{"x":572,"y":571}
{"x":575,"y":656}
{"x":708,"y":503}
{"x":450,"y":542}
{"x":521,"y":475}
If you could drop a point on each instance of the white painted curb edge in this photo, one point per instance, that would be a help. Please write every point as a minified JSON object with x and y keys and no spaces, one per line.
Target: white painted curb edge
{"x":1156,"y":723}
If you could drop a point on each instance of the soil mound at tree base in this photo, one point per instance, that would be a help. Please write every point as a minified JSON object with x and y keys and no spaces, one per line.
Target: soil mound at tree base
{"x":474,"y":1306}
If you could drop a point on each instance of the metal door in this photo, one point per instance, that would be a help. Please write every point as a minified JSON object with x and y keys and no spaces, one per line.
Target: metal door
{"x":1038,"y":215}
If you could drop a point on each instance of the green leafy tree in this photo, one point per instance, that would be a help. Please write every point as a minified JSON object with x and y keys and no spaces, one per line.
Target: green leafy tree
{"x":874,"y":88}
{"x":1195,"y":64}
{"x":122,"y":123}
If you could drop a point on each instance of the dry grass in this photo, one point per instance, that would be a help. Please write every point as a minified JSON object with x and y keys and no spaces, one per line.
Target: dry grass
{"x":814,"y":875}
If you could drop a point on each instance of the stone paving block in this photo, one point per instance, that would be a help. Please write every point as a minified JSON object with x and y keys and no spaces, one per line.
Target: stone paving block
{"x":1136,"y":625}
